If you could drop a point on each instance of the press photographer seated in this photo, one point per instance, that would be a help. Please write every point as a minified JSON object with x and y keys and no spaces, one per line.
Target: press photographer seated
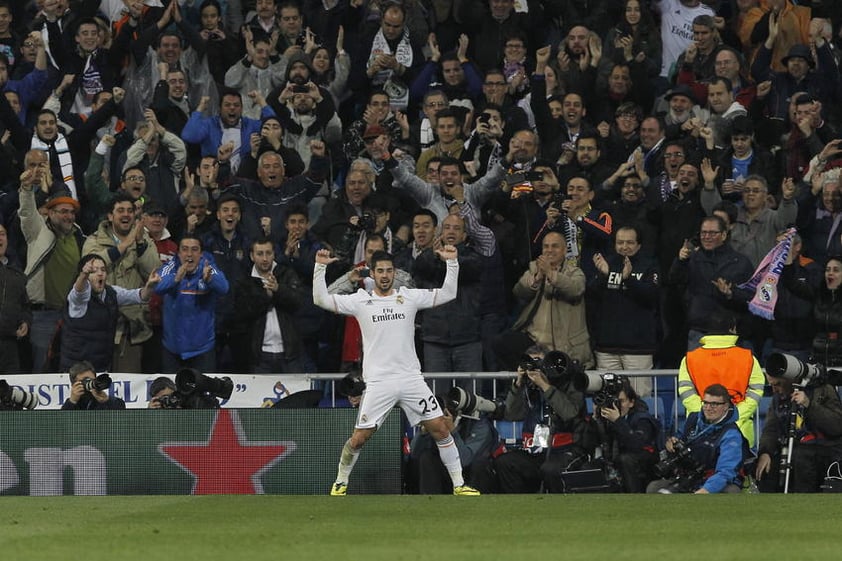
{"x":546,"y":398}
{"x":708,"y":456}
{"x":466,"y":417}
{"x":628,"y":433}
{"x":805,"y":410}
{"x":191,"y":390}
{"x":89,"y":391}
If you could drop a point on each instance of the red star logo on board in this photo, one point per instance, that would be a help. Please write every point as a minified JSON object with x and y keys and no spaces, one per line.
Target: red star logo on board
{"x":227,"y":463}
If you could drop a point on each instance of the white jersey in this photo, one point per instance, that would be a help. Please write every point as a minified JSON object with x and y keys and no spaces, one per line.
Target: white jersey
{"x":677,"y":29}
{"x":387,"y":323}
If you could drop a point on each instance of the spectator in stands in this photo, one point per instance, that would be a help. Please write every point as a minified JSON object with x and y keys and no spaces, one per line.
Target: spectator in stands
{"x":155,"y":221}
{"x":160,"y":155}
{"x":258,"y":71}
{"x":817,"y":440}
{"x":449,"y":140}
{"x":28,"y":87}
{"x":220,"y":43}
{"x":264,"y":307}
{"x":553,"y":289}
{"x":489,"y":22}
{"x":377,"y":118}
{"x":720,"y":361}
{"x":307,"y":115}
{"x":331,"y":72}
{"x":809,"y":133}
{"x":387,"y":59}
{"x":451,"y":175}
{"x":495,"y":93}
{"x":715,"y":444}
{"x":190,"y":284}
{"x":424,"y":236}
{"x":270,"y":139}
{"x":677,"y":17}
{"x":801,"y":74}
{"x":589,"y":164}
{"x":754,"y":232}
{"x":555,"y":434}
{"x":452,"y":332}
{"x":14,"y":304}
{"x":299,"y":249}
{"x":700,"y":55}
{"x":265,"y":201}
{"x":82,"y":399}
{"x":635,"y":33}
{"x":89,"y":320}
{"x":818,"y":209}
{"x":700,"y":269}
{"x":482,"y":141}
{"x":230,"y":247}
{"x":620,"y":137}
{"x":195,"y":218}
{"x":728,"y":64}
{"x":121,"y":241}
{"x":626,"y":286}
{"x":229,"y":127}
{"x":827,"y":311}
{"x":794,"y":325}
{"x":53,"y":248}
{"x":452,"y":72}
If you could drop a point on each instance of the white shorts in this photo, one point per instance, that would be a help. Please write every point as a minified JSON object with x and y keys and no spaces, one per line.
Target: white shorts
{"x":412,"y":394}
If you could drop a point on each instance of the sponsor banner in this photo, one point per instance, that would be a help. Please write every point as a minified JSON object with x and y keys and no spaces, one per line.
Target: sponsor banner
{"x":177,"y":452}
{"x":249,"y":390}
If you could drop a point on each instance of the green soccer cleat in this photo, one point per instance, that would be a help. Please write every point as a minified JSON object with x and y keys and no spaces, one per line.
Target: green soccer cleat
{"x":341,"y":489}
{"x":465,"y":491}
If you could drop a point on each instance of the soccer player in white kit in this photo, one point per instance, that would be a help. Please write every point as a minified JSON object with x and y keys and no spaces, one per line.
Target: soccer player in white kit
{"x":391,"y":369}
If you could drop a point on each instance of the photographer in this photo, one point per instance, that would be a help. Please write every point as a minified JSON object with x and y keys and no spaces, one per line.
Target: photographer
{"x":474,"y":436}
{"x":629,"y":434}
{"x":160,"y":391}
{"x":708,"y":457}
{"x":817,"y":436}
{"x":86,"y":396}
{"x":191,"y":390}
{"x":555,"y":432}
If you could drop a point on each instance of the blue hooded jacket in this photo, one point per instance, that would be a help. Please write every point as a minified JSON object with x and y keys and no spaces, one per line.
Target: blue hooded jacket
{"x":718,"y":447}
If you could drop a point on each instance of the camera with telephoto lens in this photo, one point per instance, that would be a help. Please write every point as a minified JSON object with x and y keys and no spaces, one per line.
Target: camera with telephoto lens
{"x":605,"y":388}
{"x":469,"y":404}
{"x":198,"y":391}
{"x":100,"y":383}
{"x":16,"y":398}
{"x":558,"y":367}
{"x":788,"y":367}
{"x":673,"y":464}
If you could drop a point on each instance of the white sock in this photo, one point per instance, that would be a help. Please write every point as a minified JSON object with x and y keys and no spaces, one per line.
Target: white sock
{"x":449,"y":455}
{"x":346,"y":462}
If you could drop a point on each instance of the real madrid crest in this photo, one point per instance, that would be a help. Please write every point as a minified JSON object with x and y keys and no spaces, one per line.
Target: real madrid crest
{"x":399,"y":299}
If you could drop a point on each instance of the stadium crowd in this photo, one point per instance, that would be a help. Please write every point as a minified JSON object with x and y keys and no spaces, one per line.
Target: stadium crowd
{"x":612,"y":173}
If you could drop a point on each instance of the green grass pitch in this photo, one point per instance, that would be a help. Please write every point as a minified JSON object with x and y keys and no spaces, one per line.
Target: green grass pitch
{"x":373,"y":528}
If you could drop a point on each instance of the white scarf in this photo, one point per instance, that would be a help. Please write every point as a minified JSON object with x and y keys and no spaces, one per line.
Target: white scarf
{"x":398,"y":92}
{"x":64,"y":160}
